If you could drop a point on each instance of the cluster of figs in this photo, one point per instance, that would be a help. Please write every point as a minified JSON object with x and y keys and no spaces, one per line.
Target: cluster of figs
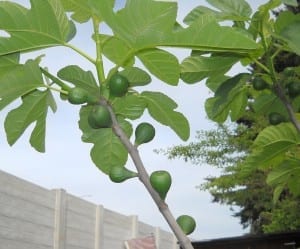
{"x":291,"y":87}
{"x":100,"y":117}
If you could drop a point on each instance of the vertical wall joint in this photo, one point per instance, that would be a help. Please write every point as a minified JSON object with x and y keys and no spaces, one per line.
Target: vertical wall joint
{"x":60,"y":219}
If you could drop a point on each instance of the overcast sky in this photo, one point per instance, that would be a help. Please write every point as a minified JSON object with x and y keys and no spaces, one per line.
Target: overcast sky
{"x":66,"y":163}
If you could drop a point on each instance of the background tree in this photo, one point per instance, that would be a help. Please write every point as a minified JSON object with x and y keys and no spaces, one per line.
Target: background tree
{"x":229,"y":145}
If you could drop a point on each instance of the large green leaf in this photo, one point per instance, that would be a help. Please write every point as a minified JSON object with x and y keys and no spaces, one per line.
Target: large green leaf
{"x":284,"y":19}
{"x":268,"y":102}
{"x":17,"y":80}
{"x":197,"y":68}
{"x":130,"y":106}
{"x":233,"y":8}
{"x":81,"y":10}
{"x":286,"y":174}
{"x":34,"y":108}
{"x":291,"y":35}
{"x":44,"y":25}
{"x":107,"y":150}
{"x":200,"y":11}
{"x":117,"y":51}
{"x":214,"y":81}
{"x":153,"y":25}
{"x":136,"y":76}
{"x":8,"y":62}
{"x":139,"y":19}
{"x":271,"y":145}
{"x":273,"y":134}
{"x":144,"y":32}
{"x":161,"y":64}
{"x":229,"y":10}
{"x":161,"y":108}
{"x":80,"y":78}
{"x":230,"y":99}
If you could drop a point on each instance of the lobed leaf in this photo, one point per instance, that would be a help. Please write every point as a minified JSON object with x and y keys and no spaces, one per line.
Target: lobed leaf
{"x":161,"y":108}
{"x":284,"y":19}
{"x":230,"y":99}
{"x":235,"y":8}
{"x":199,"y":11}
{"x":285,"y":174}
{"x":80,"y":78}
{"x":152,"y":19}
{"x":17,"y":80}
{"x":197,"y":68}
{"x":161,"y":64}
{"x":130,"y":106}
{"x":142,"y":32}
{"x":107,"y":150}
{"x":238,"y":11}
{"x":268,"y":102}
{"x":82,"y":10}
{"x":116,"y":50}
{"x":271,"y":145}
{"x":34,"y":108}
{"x":44,"y":25}
{"x":153,"y":26}
{"x":291,"y":36}
{"x":136,"y":76}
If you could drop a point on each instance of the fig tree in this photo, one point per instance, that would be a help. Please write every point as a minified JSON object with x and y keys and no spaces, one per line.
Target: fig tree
{"x":99,"y":117}
{"x":120,"y":174}
{"x":144,"y":133}
{"x":77,"y":96}
{"x":161,"y":181}
{"x":186,"y":223}
{"x":118,"y":85}
{"x":275,"y":118}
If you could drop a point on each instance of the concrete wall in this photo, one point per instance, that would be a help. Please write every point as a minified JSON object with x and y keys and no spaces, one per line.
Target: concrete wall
{"x":32,"y":217}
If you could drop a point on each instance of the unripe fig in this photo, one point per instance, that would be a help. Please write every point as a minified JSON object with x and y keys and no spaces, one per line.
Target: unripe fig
{"x":293,"y":89}
{"x":161,"y":181}
{"x":99,"y":117}
{"x":289,"y":72}
{"x":259,"y":84}
{"x":275,"y":118}
{"x":77,"y":96}
{"x":186,"y":223}
{"x":120,"y":174}
{"x":118,"y":85}
{"x":144,"y":133}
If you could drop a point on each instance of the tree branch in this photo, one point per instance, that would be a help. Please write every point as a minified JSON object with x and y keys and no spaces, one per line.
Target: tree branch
{"x":280,"y":93}
{"x":184,"y":241}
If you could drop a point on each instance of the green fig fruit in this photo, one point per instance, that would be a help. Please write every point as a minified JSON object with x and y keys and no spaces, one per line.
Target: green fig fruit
{"x":289,"y":72}
{"x":144,"y":133}
{"x":118,"y":85}
{"x":161,"y":181}
{"x":275,"y":118}
{"x":259,"y":84}
{"x":186,"y":223}
{"x":99,"y":117}
{"x":120,"y":174}
{"x":293,"y":89}
{"x":77,"y":96}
